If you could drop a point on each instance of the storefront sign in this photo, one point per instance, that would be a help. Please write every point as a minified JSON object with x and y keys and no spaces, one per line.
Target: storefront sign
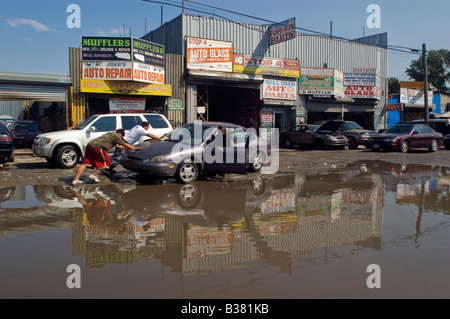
{"x":148,"y":73}
{"x":394,"y":107}
{"x":363,"y":92}
{"x":174,"y":104}
{"x":265,"y":65}
{"x":204,"y":54}
{"x":414,"y":96}
{"x":106,"y":48}
{"x":282,"y":31}
{"x":102,"y":70}
{"x":122,"y":87}
{"x":412,"y":85}
{"x":127,"y":105}
{"x":360,"y":79}
{"x":280,"y":90}
{"x":321,"y":82}
{"x":148,"y":52}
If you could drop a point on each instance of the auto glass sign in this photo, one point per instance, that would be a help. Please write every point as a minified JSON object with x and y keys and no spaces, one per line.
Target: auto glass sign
{"x":205,"y":54}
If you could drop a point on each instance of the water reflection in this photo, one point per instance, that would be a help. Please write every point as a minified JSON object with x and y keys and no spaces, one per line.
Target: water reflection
{"x":209,"y":227}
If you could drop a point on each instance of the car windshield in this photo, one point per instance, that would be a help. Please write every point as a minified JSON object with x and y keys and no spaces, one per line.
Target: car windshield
{"x":400,"y":129}
{"x":194,"y":133}
{"x":314,"y":127}
{"x":82,"y":125}
{"x":351,"y":126}
{"x":25,"y":127}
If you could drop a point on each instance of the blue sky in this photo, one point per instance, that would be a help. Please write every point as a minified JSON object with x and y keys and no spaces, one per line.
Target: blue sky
{"x":36,"y":39}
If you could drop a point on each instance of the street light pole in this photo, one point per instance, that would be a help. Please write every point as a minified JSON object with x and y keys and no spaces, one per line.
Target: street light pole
{"x":425,"y":80}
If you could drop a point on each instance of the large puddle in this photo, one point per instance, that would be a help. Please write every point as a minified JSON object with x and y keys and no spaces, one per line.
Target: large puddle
{"x":370,"y":230}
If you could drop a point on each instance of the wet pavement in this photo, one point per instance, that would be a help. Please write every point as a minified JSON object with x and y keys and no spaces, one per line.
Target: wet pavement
{"x":289,"y":236}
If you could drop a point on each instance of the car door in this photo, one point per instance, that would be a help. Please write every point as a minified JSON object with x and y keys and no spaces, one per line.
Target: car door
{"x":226,"y":158}
{"x":417,"y":139}
{"x":99,"y":127}
{"x":428,"y":135}
{"x":305,"y":135}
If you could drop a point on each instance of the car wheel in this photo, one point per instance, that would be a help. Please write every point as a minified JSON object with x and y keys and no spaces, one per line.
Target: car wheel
{"x":258,"y":185}
{"x":66,"y":156}
{"x":188,"y":196}
{"x":11,"y":157}
{"x":287,"y":143}
{"x":257,"y":162}
{"x":404,"y":146}
{"x":434,"y":145}
{"x":352,"y":143}
{"x":187,"y":172}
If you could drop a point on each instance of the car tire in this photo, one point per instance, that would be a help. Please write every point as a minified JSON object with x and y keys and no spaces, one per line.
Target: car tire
{"x":434,"y":145}
{"x":352,"y":143}
{"x":188,"y":196}
{"x":187,"y":172}
{"x":11,"y":157}
{"x":66,"y":156}
{"x":404,"y":146}
{"x":257,"y":162}
{"x":287,"y":143}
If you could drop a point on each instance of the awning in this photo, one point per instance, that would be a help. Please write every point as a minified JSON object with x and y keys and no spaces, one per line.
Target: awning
{"x":224,"y":76}
{"x":20,"y":92}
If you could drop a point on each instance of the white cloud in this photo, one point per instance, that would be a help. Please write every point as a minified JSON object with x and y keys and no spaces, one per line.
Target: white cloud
{"x":37,"y":26}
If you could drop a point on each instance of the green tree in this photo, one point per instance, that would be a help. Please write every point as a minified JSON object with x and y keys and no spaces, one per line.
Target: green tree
{"x":438,"y":67}
{"x":393,"y":86}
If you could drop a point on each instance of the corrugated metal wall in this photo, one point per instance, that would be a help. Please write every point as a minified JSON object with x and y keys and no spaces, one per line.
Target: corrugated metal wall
{"x":13,"y":108}
{"x":78,"y":107}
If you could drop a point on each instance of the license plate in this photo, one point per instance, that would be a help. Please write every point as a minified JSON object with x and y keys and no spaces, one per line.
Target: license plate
{"x":376,"y":146}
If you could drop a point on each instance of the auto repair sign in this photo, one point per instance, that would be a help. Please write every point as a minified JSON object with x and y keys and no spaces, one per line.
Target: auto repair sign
{"x":107,"y":70}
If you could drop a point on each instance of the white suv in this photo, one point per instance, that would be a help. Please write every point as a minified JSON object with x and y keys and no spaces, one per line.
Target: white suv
{"x":66,"y":148}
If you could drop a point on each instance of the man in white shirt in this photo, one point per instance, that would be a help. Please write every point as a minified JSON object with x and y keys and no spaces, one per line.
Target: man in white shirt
{"x":131,"y":137}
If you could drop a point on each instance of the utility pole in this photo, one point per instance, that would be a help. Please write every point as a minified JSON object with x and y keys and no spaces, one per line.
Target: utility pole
{"x":425,"y":80}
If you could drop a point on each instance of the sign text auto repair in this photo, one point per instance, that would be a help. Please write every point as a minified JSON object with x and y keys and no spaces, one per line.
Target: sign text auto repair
{"x":111,"y":58}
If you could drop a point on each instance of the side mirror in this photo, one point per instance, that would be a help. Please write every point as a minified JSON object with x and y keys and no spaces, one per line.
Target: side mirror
{"x":92,"y":129}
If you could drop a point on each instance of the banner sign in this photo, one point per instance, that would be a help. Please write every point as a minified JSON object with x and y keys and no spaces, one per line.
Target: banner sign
{"x":127,"y":104}
{"x":282,"y":31}
{"x":415,"y":96}
{"x":280,"y":90}
{"x":148,"y":52}
{"x":102,"y":70}
{"x":106,"y":48}
{"x":321,"y":82}
{"x":360,"y":79}
{"x":394,"y":107}
{"x":204,"y":54}
{"x":121,"y":87}
{"x":148,"y":73}
{"x":265,"y":65}
{"x":412,"y":85}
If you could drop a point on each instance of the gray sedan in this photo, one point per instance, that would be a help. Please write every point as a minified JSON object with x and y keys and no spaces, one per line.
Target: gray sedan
{"x":199,"y":147}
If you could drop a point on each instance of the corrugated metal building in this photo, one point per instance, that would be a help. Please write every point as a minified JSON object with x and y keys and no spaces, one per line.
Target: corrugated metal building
{"x":237,"y":97}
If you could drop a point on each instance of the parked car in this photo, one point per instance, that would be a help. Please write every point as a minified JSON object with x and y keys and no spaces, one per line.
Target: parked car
{"x":66,"y":148}
{"x":447,"y":141}
{"x":404,"y":137}
{"x":355,"y":134}
{"x":194,"y":148}
{"x":7,"y":120}
{"x":309,"y":135}
{"x":439,"y":125}
{"x":25,"y":131}
{"x":6,"y":145}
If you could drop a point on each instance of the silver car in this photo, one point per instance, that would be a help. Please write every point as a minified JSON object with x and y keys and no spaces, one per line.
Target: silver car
{"x":196,"y":148}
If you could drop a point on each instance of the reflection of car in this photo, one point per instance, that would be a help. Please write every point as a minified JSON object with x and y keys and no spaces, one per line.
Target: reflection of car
{"x":25,"y":131}
{"x":309,"y":135}
{"x":195,"y":148}
{"x":353,"y":131}
{"x":404,"y":137}
{"x":65,"y":148}
{"x":6,"y":145}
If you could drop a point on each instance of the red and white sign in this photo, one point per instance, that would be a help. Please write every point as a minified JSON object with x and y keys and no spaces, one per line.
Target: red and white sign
{"x":129,"y":105}
{"x":280,"y":90}
{"x":107,"y":70}
{"x":362,"y":92}
{"x":148,"y":73}
{"x":394,"y":107}
{"x":204,"y":54}
{"x":282,"y":31}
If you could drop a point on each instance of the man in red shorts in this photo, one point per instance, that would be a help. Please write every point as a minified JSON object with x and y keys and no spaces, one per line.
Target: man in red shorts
{"x":97,"y":154}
